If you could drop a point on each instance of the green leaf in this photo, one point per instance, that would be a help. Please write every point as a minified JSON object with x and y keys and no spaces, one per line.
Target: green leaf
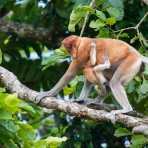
{"x":82,"y":2}
{"x":9,"y":125}
{"x":68,"y":90}
{"x":11,"y":144}
{"x":26,"y":132}
{"x":146,"y":70}
{"x":54,"y":142}
{"x":58,"y":56}
{"x":120,"y":132}
{"x":103,"y":32}
{"x":133,"y":39}
{"x":110,"y":21}
{"x":100,"y":15}
{"x":138,"y":140}
{"x":40,"y":144}
{"x":117,"y":4}
{"x":144,"y":87}
{"x":77,"y":15}
{"x":131,"y":87}
{"x":12,"y":103}
{"x":5,"y":115}
{"x":124,"y":35}
{"x":6,"y":41}
{"x":2,"y":89}
{"x":0,"y":56}
{"x":114,"y":12}
{"x":96,"y":24}
{"x":11,"y":100}
{"x":25,"y":106}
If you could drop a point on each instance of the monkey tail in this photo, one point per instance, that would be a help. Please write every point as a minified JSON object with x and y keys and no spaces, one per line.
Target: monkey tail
{"x":145,"y":60}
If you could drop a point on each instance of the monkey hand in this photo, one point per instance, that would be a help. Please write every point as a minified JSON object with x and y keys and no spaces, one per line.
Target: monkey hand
{"x":43,"y":95}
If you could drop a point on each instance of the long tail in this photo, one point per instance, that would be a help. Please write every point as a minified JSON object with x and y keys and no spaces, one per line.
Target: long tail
{"x":145,"y":60}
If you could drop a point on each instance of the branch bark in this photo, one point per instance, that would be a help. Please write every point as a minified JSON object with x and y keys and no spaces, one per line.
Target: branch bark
{"x":10,"y":81}
{"x":145,"y":1}
{"x":25,"y":30}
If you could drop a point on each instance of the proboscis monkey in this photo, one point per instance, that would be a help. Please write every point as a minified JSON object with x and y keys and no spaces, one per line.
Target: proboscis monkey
{"x":124,"y":59}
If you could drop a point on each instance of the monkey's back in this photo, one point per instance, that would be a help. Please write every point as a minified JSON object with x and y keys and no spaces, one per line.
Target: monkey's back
{"x":116,"y":50}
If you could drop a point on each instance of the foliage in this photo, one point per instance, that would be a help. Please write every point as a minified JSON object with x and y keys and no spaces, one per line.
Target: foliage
{"x":39,"y":66}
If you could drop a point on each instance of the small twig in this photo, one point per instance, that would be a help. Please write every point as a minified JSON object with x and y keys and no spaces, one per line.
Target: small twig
{"x":135,"y":28}
{"x":140,"y":22}
{"x":86,"y":18}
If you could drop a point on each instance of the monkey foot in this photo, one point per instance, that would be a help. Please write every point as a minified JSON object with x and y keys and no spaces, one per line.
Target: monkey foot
{"x":41,"y":96}
{"x":122,"y":111}
{"x":113,"y":114}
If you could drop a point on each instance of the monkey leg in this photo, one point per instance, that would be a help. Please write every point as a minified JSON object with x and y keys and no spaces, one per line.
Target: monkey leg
{"x":125,"y":72}
{"x":86,"y":89}
{"x":71,"y":72}
{"x":83,"y":98}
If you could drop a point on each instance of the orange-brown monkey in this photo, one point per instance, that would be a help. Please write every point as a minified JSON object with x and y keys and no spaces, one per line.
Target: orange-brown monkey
{"x":124,"y":60}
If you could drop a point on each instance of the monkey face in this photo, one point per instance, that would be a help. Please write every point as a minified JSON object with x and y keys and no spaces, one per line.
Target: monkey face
{"x":70,"y":43}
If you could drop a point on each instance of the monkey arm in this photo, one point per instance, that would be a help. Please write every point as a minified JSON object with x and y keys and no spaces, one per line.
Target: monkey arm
{"x":93,"y":53}
{"x":101,"y":67}
{"x":105,"y":65}
{"x":67,"y":77}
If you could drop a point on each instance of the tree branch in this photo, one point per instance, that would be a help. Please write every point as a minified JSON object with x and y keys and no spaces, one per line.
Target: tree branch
{"x":92,"y":3}
{"x":25,"y":30}
{"x":134,"y":28}
{"x":145,"y":1}
{"x":10,"y":81}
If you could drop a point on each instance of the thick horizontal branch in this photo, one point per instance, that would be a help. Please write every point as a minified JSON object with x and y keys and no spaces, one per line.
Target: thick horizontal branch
{"x":145,"y":1}
{"x":10,"y":81}
{"x":25,"y":30}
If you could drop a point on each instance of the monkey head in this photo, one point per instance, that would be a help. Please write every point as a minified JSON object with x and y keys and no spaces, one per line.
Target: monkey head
{"x":71,"y":44}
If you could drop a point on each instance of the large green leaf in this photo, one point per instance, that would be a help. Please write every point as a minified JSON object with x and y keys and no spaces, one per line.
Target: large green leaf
{"x":25,"y":106}
{"x":5,"y":115}
{"x":120,"y":132}
{"x":96,"y":25}
{"x":118,"y":4}
{"x":54,"y":142}
{"x":100,"y":15}
{"x":144,"y":87}
{"x":9,"y":125}
{"x":26,"y":132}
{"x":111,"y":21}
{"x":138,"y":141}
{"x":58,"y":56}
{"x":77,"y":15}
{"x":0,"y":56}
{"x":114,"y":12}
{"x":146,"y":70}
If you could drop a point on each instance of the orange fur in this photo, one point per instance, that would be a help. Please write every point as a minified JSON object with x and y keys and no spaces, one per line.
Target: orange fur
{"x":117,"y":50}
